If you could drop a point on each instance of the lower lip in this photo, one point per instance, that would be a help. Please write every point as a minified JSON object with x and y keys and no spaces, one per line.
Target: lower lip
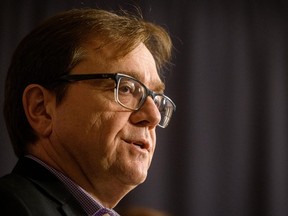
{"x":136,"y":147}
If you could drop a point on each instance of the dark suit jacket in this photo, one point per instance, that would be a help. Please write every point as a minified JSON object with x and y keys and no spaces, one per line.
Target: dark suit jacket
{"x":32,"y":190}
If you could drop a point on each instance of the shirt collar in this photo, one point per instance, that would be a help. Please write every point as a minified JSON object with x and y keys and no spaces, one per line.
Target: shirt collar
{"x":90,"y":205}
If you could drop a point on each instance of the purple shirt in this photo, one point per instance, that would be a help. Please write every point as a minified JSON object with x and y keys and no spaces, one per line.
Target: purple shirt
{"x":90,"y":205}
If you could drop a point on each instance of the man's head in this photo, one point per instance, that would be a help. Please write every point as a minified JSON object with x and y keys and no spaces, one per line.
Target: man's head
{"x":57,"y":46}
{"x":100,"y":132}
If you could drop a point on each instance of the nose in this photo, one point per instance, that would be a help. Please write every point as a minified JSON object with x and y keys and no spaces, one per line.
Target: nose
{"x":147,"y":115}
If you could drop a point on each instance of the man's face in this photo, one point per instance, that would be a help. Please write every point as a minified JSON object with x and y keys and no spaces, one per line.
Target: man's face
{"x":97,"y":136}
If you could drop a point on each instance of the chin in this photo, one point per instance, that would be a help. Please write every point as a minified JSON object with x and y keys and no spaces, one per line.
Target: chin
{"x":132,"y":173}
{"x":135,"y":178}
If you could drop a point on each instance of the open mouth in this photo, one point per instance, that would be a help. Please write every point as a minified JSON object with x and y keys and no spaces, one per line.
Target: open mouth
{"x":138,"y":144}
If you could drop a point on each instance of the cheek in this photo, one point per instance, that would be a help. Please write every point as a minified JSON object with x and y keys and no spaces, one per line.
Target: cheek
{"x":107,"y":127}
{"x":89,"y":124}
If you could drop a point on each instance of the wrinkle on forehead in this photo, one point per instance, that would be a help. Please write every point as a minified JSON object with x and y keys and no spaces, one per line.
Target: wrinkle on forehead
{"x":144,"y":72}
{"x":139,"y":63}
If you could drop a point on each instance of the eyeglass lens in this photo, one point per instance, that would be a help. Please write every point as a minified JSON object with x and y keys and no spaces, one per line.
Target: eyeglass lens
{"x":132,"y":94}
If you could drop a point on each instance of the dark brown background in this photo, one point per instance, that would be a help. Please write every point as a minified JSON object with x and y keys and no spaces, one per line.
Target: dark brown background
{"x":225,"y":152}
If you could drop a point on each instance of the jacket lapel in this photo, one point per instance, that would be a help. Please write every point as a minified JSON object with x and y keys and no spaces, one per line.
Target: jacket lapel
{"x":51,"y":186}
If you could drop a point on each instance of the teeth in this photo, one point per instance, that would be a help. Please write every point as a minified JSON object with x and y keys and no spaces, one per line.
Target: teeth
{"x":140,"y":145}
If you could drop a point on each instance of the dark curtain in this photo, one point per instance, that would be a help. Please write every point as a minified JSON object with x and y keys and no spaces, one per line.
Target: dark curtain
{"x":225,"y":152}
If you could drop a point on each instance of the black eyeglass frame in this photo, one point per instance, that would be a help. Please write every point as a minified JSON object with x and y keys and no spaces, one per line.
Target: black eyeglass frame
{"x":116,"y":77}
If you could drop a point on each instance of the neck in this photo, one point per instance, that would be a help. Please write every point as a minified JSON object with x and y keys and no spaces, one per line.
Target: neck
{"x":106,"y":190}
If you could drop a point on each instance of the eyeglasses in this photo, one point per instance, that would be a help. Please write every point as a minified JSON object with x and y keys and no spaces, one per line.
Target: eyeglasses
{"x":131,"y":93}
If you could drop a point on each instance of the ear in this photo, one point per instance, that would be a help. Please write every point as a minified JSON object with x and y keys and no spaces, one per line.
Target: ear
{"x":38,"y":105}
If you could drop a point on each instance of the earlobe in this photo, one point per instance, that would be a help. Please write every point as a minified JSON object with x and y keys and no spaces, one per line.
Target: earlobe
{"x":37,"y":103}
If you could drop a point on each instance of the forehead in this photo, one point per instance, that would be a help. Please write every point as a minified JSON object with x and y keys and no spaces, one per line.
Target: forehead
{"x":139,"y":63}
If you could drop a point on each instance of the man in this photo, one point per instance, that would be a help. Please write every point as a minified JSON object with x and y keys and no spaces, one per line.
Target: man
{"x":83,"y":98}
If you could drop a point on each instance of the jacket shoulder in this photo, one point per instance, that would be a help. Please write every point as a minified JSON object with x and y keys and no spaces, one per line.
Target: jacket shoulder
{"x":19,"y":196}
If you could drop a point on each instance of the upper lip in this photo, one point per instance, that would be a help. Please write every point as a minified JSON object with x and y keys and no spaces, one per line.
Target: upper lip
{"x":142,"y":143}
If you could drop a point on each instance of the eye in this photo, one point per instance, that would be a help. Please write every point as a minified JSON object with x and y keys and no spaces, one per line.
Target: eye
{"x":126,"y":87}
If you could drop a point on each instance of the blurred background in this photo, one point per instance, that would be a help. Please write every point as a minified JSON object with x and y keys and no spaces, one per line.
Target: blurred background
{"x":225,"y":152}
